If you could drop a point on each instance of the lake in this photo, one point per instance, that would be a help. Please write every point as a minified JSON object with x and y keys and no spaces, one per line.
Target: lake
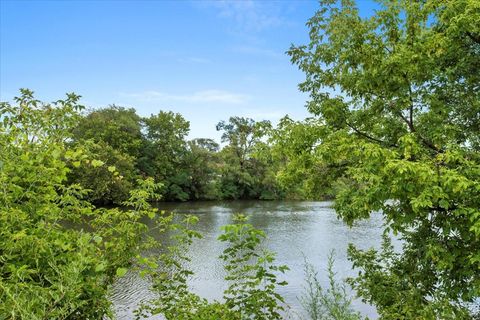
{"x":295,"y":230}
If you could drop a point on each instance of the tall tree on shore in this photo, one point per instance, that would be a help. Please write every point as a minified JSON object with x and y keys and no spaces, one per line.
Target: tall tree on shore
{"x":116,"y":126}
{"x":399,"y":97}
{"x":202,"y":162}
{"x":242,"y":173}
{"x":166,"y":149}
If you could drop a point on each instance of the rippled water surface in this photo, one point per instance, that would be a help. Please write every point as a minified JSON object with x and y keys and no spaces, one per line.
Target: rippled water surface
{"x":295,"y":230}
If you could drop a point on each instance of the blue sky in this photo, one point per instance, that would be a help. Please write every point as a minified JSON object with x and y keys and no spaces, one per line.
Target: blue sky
{"x":208,"y":60}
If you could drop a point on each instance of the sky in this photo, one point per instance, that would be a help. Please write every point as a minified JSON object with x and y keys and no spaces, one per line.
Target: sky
{"x":208,"y":60}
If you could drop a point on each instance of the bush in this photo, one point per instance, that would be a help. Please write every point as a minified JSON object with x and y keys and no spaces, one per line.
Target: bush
{"x":326,"y":304}
{"x":58,"y":253}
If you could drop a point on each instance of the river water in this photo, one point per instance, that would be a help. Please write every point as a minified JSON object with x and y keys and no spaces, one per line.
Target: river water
{"x":296,"y":230}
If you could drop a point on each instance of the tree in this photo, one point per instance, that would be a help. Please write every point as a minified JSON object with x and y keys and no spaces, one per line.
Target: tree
{"x":116,"y":126}
{"x":109,"y":178}
{"x":112,"y":135}
{"x":242,"y":134}
{"x":298,"y":169}
{"x":202,"y":164}
{"x":51,"y":267}
{"x":398,"y":95}
{"x":166,"y":151}
{"x":242,"y":173}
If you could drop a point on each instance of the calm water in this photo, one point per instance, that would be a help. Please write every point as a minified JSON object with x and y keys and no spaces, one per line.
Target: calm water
{"x":295,"y":229}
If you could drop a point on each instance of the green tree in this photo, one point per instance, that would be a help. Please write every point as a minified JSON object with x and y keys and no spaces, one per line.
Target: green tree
{"x":50,"y":266}
{"x":116,"y":126}
{"x":398,"y":95}
{"x":109,"y":178}
{"x":202,"y":161}
{"x":166,"y":150}
{"x":112,"y":135}
{"x":242,"y":173}
{"x":266,"y":166}
{"x":297,"y":165}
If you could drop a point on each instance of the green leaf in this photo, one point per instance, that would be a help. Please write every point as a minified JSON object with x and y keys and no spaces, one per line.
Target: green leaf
{"x":100,"y":267}
{"x":443,"y":204}
{"x":97,"y":239}
{"x":121,"y":272}
{"x":97,"y":163}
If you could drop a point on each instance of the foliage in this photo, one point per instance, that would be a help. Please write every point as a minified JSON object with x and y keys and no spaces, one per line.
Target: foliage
{"x":294,"y":151}
{"x":167,"y":148}
{"x":113,"y":136}
{"x":118,"y":127}
{"x":251,"y":294}
{"x":174,"y":300}
{"x":396,"y":296}
{"x":252,"y":275}
{"x":397,"y":95}
{"x":245,"y":171}
{"x":330,"y":304}
{"x":202,"y":162}
{"x":109,"y":178}
{"x":58,"y":254}
{"x":156,"y":146}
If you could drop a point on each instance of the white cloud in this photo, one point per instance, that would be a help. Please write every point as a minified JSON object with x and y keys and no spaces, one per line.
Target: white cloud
{"x":249,"y":15}
{"x":199,"y":96}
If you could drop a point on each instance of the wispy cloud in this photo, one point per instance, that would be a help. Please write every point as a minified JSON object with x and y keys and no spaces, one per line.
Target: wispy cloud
{"x":199,"y":96}
{"x":249,"y":15}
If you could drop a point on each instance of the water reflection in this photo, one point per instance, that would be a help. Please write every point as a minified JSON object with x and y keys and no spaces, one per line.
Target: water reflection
{"x":295,"y":229}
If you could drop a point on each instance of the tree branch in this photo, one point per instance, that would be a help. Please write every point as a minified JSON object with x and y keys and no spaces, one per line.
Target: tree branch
{"x":363,"y":134}
{"x":409,"y":121}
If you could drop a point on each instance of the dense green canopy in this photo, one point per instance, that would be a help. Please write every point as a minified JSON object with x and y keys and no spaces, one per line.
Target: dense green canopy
{"x":398,"y":96}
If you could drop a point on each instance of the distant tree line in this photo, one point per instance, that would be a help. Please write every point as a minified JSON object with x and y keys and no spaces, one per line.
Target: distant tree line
{"x":249,"y":166}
